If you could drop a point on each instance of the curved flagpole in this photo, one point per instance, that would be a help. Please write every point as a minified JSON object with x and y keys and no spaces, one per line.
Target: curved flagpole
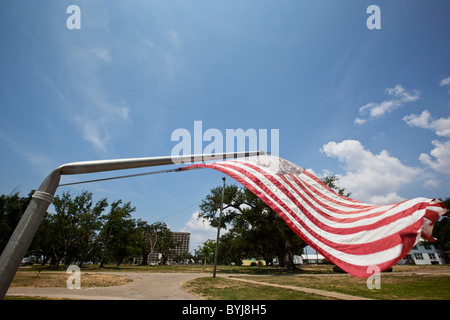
{"x":28,"y":225}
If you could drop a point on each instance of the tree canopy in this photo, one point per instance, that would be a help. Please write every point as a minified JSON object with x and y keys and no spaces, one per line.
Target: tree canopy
{"x":81,"y":230}
{"x":254,"y":229}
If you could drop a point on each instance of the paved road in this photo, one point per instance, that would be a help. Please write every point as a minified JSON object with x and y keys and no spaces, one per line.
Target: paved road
{"x":145,"y":286}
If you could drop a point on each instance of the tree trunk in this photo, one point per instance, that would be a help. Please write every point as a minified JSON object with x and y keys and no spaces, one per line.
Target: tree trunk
{"x":145,"y":254}
{"x":289,"y":257}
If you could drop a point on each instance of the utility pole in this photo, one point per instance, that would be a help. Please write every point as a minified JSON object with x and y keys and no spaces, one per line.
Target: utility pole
{"x":218,"y":229}
{"x":106,"y":245}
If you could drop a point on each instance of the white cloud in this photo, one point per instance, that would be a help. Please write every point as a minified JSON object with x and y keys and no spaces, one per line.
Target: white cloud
{"x":398,"y":97}
{"x":200,"y":230}
{"x":325,"y":173}
{"x":432,"y":181}
{"x":359,"y":121}
{"x":174,"y":39}
{"x":103,"y":54}
{"x":94,"y":115}
{"x":90,"y":97}
{"x":96,"y":125}
{"x":446,"y":82}
{"x":441,"y":151}
{"x":391,"y":197}
{"x":372,"y":178}
{"x":91,"y":132}
{"x":440,"y":126}
{"x":40,"y":161}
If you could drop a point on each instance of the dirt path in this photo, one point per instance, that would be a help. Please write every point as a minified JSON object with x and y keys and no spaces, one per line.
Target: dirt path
{"x":154,"y":286}
{"x":145,"y":286}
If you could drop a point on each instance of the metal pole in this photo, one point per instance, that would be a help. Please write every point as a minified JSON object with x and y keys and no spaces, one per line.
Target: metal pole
{"x":120,"y":164}
{"x":27,"y":227}
{"x":218,"y":229}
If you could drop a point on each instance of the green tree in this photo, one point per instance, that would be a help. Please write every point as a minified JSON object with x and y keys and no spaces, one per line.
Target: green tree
{"x":330,"y":182}
{"x":74,"y":227}
{"x":12,"y":208}
{"x":42,"y":244}
{"x":63,"y":228}
{"x":156,"y":237}
{"x":144,"y":236}
{"x":232,"y":204}
{"x":165,"y":242}
{"x":258,"y":229}
{"x":89,"y":224}
{"x":231,"y":248}
{"x":205,"y":252}
{"x":441,"y":230}
{"x":268,"y":235}
{"x":118,"y":233}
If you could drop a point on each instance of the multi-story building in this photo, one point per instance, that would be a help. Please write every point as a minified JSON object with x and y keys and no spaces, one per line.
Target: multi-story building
{"x":183,"y":240}
{"x":420,"y":254}
{"x":424,"y":254}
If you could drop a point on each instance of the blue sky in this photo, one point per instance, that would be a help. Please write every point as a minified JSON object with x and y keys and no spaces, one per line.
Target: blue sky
{"x":371,"y":106}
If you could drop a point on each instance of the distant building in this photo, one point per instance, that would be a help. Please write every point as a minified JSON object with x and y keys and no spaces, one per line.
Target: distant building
{"x":154,"y":258}
{"x":303,"y":259}
{"x":311,"y":256}
{"x":183,"y":238}
{"x":422,"y":254}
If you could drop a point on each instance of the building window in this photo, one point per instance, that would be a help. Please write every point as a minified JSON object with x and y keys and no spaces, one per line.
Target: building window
{"x":418,"y":256}
{"x":409,"y":259}
{"x":432,"y":256}
{"x":428,"y":247}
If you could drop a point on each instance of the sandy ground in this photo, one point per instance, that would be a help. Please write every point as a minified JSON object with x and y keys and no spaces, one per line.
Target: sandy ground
{"x":145,"y":286}
{"x":163,"y":286}
{"x":149,"y":286}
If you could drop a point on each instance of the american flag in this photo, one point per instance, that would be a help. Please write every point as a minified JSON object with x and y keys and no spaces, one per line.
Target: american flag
{"x":353,"y":235}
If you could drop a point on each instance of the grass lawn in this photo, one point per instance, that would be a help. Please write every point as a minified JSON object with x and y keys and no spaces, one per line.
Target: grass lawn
{"x":405,"y":282}
{"x":227,"y":289}
{"x":188,"y":269}
{"x":394,"y":286}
